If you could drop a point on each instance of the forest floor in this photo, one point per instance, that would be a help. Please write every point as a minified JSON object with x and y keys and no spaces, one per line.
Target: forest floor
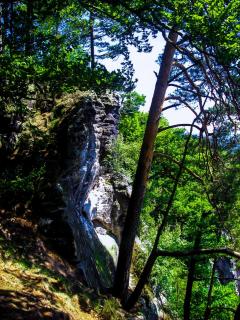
{"x":34,"y":282}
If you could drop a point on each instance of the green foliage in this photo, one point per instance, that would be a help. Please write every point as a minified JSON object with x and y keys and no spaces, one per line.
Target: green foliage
{"x":110,"y":310}
{"x":209,"y":25}
{"x":120,"y":160}
{"x":191,"y":202}
{"x":51,"y":52}
{"x":132,"y":101}
{"x":123,"y":159}
{"x":132,"y":126}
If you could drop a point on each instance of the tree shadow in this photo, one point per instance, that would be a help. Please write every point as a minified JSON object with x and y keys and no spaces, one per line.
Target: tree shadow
{"x":16,"y":305}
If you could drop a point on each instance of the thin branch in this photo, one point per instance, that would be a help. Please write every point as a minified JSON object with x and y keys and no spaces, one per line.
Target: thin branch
{"x":198,"y":252}
{"x":179,"y":74}
{"x":217,"y":278}
{"x":193,"y":174}
{"x":179,"y":125}
{"x":175,"y":105}
{"x":183,"y":102}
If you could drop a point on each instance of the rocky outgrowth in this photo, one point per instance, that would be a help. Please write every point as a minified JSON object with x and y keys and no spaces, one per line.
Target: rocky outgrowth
{"x":227,"y":272}
{"x":86,"y":202}
{"x":107,"y":202}
{"x":106,"y":205}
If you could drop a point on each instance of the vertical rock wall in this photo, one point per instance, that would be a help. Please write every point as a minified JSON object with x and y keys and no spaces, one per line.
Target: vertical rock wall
{"x":93,"y":202}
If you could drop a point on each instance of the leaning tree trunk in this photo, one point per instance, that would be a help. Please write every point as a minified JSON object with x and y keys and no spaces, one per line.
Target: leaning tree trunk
{"x":130,"y":302}
{"x":142,"y":172}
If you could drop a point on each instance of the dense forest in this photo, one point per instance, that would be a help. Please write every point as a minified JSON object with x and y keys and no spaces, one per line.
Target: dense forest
{"x":179,"y":241}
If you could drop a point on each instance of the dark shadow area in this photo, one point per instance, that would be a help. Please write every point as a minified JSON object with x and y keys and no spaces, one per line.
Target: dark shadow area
{"x":22,"y":306}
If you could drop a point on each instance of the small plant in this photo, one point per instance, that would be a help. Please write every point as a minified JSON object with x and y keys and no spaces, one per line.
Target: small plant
{"x":110,"y":310}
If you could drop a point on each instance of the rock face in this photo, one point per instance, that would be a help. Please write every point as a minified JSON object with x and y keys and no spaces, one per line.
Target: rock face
{"x":83,"y":207}
{"x":90,"y":201}
{"x":224,"y":268}
{"x":107,"y":203}
{"x":227,"y":272}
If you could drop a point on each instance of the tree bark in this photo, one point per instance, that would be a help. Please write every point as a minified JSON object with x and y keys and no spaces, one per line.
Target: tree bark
{"x":130,"y":302}
{"x":11,"y":24}
{"x":191,"y":271}
{"x":188,"y":295}
{"x":5,"y":25}
{"x":142,"y":172}
{"x":1,"y":27}
{"x":199,"y":252}
{"x":209,"y":298}
{"x":29,"y":28}
{"x":92,"y":49}
{"x":155,"y":252}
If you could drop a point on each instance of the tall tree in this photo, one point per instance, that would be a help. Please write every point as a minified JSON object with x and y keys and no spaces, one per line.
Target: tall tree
{"x":207,"y":312}
{"x":142,"y":171}
{"x":191,"y":272}
{"x":92,"y":48}
{"x":151,"y":14}
{"x":29,"y":28}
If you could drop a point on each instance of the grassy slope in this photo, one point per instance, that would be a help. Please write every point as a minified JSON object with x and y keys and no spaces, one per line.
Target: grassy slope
{"x":34,"y":282}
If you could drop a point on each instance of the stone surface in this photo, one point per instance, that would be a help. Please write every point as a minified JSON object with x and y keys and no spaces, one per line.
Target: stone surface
{"x":89,"y":135}
{"x":107,"y":202}
{"x":110,"y":244}
{"x":227,"y":272}
{"x":83,"y":207}
{"x":224,"y":268}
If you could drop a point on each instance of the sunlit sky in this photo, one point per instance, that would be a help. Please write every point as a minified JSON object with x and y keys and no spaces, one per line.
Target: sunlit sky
{"x":145,"y":65}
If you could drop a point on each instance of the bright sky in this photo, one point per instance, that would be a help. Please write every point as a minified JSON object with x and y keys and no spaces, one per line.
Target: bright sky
{"x":145,"y":65}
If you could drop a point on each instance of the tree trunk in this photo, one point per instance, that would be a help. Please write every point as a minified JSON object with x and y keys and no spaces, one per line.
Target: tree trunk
{"x":209,"y":298}
{"x":92,"y":53}
{"x":5,"y":25}
{"x":188,"y":295}
{"x":142,"y":281}
{"x":11,"y":23}
{"x":1,"y":28}
{"x":154,"y":253}
{"x":191,"y":271}
{"x":142,"y":172}
{"x":29,"y":28}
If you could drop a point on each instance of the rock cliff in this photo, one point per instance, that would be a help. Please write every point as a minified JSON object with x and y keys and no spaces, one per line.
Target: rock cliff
{"x":82,"y":209}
